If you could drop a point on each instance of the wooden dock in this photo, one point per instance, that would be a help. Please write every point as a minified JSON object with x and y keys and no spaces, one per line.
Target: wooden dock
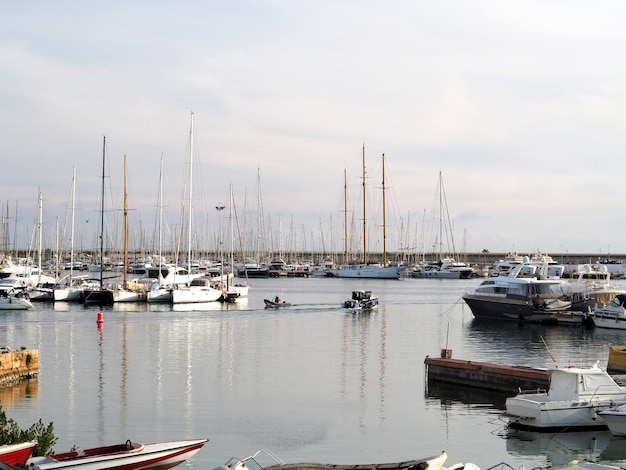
{"x":484,"y":375}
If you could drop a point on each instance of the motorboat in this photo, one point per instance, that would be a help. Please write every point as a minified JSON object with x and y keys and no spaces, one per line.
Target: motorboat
{"x":593,"y":283}
{"x":574,"y":401}
{"x":612,"y":315}
{"x":15,"y":302}
{"x":129,"y":455}
{"x":361,"y":300}
{"x":276,"y":303}
{"x":264,"y":459}
{"x":615,"y":419}
{"x":531,"y":292}
{"x":16,"y":454}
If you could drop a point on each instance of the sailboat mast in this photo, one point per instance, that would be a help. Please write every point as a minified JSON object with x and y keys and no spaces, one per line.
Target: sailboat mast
{"x":102,"y":214}
{"x":345,"y":215}
{"x":440,"y":217}
{"x":40,"y":233}
{"x":72,"y":229}
{"x":125,"y":226}
{"x":364,"y":213}
{"x":190,"y":195}
{"x":384,"y":218}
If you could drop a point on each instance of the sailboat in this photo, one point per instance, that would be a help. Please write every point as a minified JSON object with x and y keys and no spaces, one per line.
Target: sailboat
{"x":129,"y":291}
{"x":100,"y":295}
{"x":446,"y":267}
{"x":72,"y":288}
{"x":365,"y":269}
{"x":198,"y":289}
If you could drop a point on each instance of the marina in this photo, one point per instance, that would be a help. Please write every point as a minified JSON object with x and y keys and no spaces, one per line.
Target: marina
{"x":313,"y":381}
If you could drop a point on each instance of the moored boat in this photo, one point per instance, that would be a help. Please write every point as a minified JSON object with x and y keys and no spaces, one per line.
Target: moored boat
{"x":574,"y":401}
{"x":15,"y":302}
{"x":130,"y":455}
{"x":16,"y":454}
{"x":531,"y":292}
{"x":257,"y":462}
{"x":612,"y":315}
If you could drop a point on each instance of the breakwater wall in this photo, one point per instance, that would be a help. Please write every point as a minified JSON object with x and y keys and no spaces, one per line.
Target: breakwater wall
{"x":16,"y":366}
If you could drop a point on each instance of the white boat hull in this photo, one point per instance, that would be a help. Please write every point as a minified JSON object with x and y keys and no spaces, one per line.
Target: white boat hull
{"x":368,"y":271}
{"x":529,"y":414}
{"x":185,"y":295}
{"x":158,"y":455}
{"x":15,"y":303}
{"x":615,"y":420}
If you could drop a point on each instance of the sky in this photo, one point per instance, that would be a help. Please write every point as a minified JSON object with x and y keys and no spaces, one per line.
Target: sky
{"x":520,"y":106}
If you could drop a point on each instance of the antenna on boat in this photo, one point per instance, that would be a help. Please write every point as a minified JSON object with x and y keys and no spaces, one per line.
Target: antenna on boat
{"x":548,"y":349}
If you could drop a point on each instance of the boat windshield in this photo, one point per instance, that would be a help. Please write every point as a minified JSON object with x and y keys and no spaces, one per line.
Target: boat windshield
{"x":552,"y":288}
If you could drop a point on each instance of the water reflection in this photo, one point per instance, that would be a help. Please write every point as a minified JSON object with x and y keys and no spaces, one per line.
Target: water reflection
{"x":18,"y":395}
{"x":562,"y":448}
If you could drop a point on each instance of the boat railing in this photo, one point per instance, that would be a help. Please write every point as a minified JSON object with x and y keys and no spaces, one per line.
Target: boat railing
{"x":536,"y":391}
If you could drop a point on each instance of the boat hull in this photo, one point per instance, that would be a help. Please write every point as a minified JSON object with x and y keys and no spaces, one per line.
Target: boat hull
{"x":367,"y":271}
{"x":15,"y":303}
{"x":615,"y":420}
{"x":497,"y":308}
{"x":156,"y":456}
{"x":191,"y":295}
{"x":554,"y":416}
{"x":16,"y":454}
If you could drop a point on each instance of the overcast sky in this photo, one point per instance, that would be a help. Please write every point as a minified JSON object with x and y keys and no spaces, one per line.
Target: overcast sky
{"x":521,"y":105}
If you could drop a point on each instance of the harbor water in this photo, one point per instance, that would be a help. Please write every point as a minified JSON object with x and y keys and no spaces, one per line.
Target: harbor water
{"x":311,"y":382}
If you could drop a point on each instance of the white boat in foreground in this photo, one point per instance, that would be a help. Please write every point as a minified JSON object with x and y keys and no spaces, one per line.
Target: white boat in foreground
{"x":256,"y":462}
{"x":130,"y":455}
{"x":575,"y":400}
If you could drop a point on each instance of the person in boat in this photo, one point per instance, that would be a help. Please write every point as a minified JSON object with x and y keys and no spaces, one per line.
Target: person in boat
{"x":277,"y":300}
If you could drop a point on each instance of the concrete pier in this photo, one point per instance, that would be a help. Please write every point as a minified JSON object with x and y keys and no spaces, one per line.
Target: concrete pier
{"x":495,"y":377}
{"x":16,"y":366}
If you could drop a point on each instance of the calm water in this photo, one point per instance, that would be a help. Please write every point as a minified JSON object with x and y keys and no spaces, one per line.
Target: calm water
{"x":312,"y":382}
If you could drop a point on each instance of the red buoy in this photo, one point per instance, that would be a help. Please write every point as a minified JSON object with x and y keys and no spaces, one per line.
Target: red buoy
{"x":100,"y":319}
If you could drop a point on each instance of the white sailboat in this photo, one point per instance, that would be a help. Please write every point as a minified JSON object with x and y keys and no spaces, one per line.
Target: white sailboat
{"x":365,"y":269}
{"x":71,"y":288}
{"x":446,"y":267}
{"x":198,"y":289}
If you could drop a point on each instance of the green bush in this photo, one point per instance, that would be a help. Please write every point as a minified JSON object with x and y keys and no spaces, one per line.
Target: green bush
{"x":10,"y":433}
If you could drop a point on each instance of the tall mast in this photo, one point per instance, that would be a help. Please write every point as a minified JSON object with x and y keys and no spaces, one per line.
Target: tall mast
{"x":384,"y":218}
{"x":72,"y":229}
{"x":364,"y":213}
{"x":40,"y":234}
{"x":345,"y":212}
{"x":104,"y":140}
{"x":190,"y":195}
{"x":125,"y":226}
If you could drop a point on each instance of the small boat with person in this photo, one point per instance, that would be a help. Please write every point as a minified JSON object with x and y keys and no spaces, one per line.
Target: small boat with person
{"x":361,"y":300}
{"x":276,"y":303}
{"x":129,"y":455}
{"x":266,"y":460}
